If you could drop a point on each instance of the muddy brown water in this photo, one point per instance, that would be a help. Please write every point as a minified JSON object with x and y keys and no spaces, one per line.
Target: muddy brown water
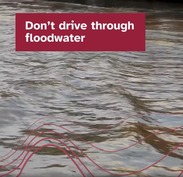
{"x":111,"y":100}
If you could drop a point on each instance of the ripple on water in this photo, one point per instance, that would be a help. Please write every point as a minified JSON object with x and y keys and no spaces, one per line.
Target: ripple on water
{"x":129,"y":101}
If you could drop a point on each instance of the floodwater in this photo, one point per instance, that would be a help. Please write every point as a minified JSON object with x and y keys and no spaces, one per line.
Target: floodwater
{"x":92,"y":104}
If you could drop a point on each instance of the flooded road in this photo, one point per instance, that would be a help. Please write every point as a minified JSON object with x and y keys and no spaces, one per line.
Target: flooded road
{"x":93,"y":114}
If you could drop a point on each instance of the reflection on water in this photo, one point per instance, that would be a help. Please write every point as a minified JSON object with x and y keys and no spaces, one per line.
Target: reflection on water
{"x":120,"y":111}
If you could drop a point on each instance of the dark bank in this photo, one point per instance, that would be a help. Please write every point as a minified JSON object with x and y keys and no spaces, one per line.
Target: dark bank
{"x":124,"y":3}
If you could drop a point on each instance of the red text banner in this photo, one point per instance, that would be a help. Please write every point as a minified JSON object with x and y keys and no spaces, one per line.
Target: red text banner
{"x":80,"y":32}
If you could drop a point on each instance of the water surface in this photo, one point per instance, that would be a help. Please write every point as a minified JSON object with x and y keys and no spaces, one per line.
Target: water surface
{"x":111,"y":100}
